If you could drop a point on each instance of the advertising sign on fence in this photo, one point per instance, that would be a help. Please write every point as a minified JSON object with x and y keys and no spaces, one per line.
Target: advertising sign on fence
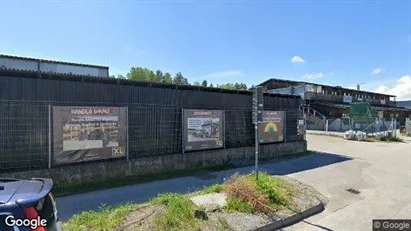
{"x":347,"y":99}
{"x":203,"y":129}
{"x":272,"y":128}
{"x":88,"y":133}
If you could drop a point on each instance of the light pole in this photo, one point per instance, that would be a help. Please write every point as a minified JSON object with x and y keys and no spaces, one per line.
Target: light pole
{"x":258,"y":106}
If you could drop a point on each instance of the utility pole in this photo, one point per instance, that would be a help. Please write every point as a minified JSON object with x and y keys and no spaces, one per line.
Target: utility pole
{"x":359,"y":86}
{"x":258,"y":106}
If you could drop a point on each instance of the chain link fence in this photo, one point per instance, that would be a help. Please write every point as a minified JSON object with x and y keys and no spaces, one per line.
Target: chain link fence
{"x":153,"y":130}
{"x":377,"y":125}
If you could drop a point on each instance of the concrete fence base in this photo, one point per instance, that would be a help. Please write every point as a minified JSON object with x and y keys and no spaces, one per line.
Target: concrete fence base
{"x":65,"y":176}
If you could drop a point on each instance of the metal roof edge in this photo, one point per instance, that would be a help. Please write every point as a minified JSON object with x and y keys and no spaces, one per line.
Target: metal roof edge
{"x":51,"y":61}
{"x":324,"y":85}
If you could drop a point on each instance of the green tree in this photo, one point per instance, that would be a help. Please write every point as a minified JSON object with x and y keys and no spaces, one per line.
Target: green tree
{"x":229,"y":86}
{"x":196,"y":83}
{"x":233,"y":86}
{"x":121,"y":76}
{"x":180,"y":80}
{"x":241,"y":86}
{"x":204,"y":83}
{"x":211,"y":85}
{"x":141,"y":74}
{"x":167,"y":78}
{"x":159,"y":76}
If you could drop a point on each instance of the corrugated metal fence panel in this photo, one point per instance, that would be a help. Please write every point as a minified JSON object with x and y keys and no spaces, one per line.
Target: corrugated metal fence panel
{"x":155,"y":126}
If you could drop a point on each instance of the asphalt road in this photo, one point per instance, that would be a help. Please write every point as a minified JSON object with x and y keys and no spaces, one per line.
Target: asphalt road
{"x":380,"y":171}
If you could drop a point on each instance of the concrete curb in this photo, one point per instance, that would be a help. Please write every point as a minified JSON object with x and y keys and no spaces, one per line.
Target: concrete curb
{"x":321,"y":133}
{"x":292,"y":219}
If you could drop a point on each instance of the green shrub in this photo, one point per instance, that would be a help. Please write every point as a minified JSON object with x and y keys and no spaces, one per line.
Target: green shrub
{"x":106,"y":219}
{"x":390,"y":139}
{"x":276,"y":189}
{"x":179,"y":214}
{"x":237,"y":205}
{"x":215,"y":188}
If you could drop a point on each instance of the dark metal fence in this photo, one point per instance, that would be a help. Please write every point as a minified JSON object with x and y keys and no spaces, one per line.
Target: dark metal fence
{"x":154,"y":116}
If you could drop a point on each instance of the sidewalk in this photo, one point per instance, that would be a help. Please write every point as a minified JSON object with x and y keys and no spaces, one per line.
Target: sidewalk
{"x":139,"y":193}
{"x":341,"y":134}
{"x":314,"y":132}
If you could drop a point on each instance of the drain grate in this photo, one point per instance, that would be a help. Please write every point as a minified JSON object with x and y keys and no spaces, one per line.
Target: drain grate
{"x":354,"y":191}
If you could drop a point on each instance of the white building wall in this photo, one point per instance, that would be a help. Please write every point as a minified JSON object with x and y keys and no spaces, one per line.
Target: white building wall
{"x":47,"y":67}
{"x":8,"y":63}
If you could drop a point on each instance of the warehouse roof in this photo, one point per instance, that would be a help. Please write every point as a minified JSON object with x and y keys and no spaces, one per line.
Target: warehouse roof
{"x":382,"y":108}
{"x":90,"y":79}
{"x":323,"y":85}
{"x":51,"y":61}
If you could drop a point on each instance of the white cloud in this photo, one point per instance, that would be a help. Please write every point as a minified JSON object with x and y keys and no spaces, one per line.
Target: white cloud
{"x":377,"y":71}
{"x":222,"y":74}
{"x":313,"y":75}
{"x":297,"y":59}
{"x":401,"y":89}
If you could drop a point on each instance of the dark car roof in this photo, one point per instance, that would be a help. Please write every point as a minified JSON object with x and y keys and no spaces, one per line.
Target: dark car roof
{"x":23,"y":192}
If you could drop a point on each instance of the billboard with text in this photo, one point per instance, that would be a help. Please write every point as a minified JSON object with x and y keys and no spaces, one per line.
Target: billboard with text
{"x":272,"y":128}
{"x":202,"y":129}
{"x":88,"y":133}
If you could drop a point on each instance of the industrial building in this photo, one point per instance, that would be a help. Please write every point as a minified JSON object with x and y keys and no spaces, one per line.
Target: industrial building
{"x":15,"y":64}
{"x":321,"y":102}
{"x":406,"y":104}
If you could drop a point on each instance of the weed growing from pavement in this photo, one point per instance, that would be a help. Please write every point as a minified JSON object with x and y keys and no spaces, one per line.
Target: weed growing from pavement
{"x":106,"y":218}
{"x":223,"y":224}
{"x":215,"y":188}
{"x":265,"y":195}
{"x":386,"y":139}
{"x":391,"y":139}
{"x":244,"y":189}
{"x":179,"y":214}
{"x":236,"y":205}
{"x":275,"y":188}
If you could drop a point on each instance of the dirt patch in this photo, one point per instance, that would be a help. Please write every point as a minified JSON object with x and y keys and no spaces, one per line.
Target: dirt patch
{"x":142,"y":219}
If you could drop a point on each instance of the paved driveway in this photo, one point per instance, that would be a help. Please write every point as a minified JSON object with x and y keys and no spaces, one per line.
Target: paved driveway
{"x":381,"y":172}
